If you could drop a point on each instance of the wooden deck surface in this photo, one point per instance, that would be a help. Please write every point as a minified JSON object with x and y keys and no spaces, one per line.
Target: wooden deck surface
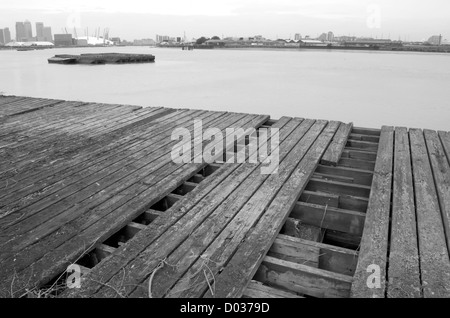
{"x":94,"y":184}
{"x":406,"y":230}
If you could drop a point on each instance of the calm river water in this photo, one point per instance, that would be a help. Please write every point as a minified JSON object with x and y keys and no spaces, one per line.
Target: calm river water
{"x":368,"y":88}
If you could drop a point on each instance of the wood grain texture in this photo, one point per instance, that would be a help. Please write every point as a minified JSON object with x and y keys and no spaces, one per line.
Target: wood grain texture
{"x":336,"y":148}
{"x":434,"y":258}
{"x":404,"y":269}
{"x":374,"y":243}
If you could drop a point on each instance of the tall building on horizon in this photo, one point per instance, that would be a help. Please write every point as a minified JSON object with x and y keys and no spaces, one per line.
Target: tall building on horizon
{"x":47,"y":34}
{"x":298,"y":37}
{"x":162,"y":38}
{"x":39,"y":31}
{"x":20,"y":32}
{"x":435,"y":40}
{"x":330,"y":36}
{"x":28,"y":30}
{"x":2,"y":37}
{"x":7,"y":35}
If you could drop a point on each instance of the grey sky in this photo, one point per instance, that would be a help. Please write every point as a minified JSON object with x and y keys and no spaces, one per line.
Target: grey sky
{"x":411,"y":19}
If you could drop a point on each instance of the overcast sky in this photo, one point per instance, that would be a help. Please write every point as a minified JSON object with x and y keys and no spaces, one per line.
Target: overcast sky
{"x":130,"y":19}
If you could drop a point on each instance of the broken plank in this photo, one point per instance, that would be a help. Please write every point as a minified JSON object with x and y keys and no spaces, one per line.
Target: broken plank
{"x":331,"y":258}
{"x":320,"y":198}
{"x":357,"y":164}
{"x":147,"y":238}
{"x":363,"y":177}
{"x":304,"y":279}
{"x":250,"y":252}
{"x":335,"y":149}
{"x":325,"y":217}
{"x":292,"y":251}
{"x":340,"y":188}
{"x":236,"y":214}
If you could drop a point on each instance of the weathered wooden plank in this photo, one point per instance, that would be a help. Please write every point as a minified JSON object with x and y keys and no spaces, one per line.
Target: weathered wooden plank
{"x":363,"y":137}
{"x":89,"y":182}
{"x":321,"y":198}
{"x":351,"y":153}
{"x":37,"y":115}
{"x":251,"y":251}
{"x":364,"y":145}
{"x":403,"y":269}
{"x":257,"y":290}
{"x":332,"y":177}
{"x":335,"y":149}
{"x":433,"y":251}
{"x":13,"y":128}
{"x":325,"y":217}
{"x":100,"y":124}
{"x":70,"y":113}
{"x":32,"y":228}
{"x":348,"y":202}
{"x":304,"y":279}
{"x":331,"y":258}
{"x":294,"y":252}
{"x":363,"y":177}
{"x":236,"y":215}
{"x":64,"y":142}
{"x":49,"y":121}
{"x":357,"y":164}
{"x":295,"y":228}
{"x":71,"y":241}
{"x":104,"y":194}
{"x":345,"y":240}
{"x":366,"y":131}
{"x":11,"y":109}
{"x":341,"y":188}
{"x":9,"y":99}
{"x":374,"y":243}
{"x":60,"y":149}
{"x":67,"y":119}
{"x":31,"y":183}
{"x":112,"y":148}
{"x":203,"y":197}
{"x":345,"y":202}
{"x":26,"y":102}
{"x":39,"y":125}
{"x":441,"y":172}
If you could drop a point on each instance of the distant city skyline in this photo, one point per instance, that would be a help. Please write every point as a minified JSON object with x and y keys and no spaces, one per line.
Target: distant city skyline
{"x":406,"y":20}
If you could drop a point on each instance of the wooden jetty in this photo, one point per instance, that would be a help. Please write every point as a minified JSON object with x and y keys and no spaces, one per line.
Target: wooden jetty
{"x":352,"y":212}
{"x":101,"y":58}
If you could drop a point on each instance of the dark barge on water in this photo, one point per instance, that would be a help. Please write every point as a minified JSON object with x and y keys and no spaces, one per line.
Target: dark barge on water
{"x":102,"y":58}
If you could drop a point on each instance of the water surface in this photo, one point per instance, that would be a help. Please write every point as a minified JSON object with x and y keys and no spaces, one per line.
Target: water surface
{"x":368,"y":88}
